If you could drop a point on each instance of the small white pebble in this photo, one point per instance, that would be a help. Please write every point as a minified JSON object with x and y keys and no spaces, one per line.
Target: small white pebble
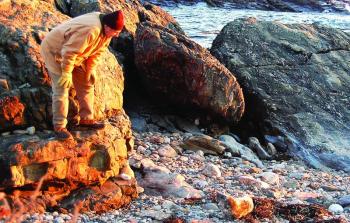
{"x":125,"y":176}
{"x":5,"y":133}
{"x":167,"y":140}
{"x":30,"y":130}
{"x":196,"y":121}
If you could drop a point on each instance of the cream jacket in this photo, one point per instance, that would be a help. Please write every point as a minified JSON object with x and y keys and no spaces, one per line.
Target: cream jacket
{"x":77,"y":42}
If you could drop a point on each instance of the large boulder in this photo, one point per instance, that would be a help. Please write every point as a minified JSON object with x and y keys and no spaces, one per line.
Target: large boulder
{"x":177,"y":69}
{"x":61,"y":168}
{"x":92,"y":157}
{"x":24,"y":82}
{"x":296,"y":83}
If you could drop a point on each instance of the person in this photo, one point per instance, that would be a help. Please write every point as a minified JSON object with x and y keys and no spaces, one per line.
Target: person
{"x":71,"y":52}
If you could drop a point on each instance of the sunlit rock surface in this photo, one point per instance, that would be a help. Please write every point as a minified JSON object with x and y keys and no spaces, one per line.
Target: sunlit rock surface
{"x":24,"y":78}
{"x":40,"y":173}
{"x":93,"y":158}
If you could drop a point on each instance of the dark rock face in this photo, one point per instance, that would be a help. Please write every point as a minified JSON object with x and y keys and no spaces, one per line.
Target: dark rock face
{"x":296,"y":80}
{"x":178,"y":69}
{"x":24,"y":78}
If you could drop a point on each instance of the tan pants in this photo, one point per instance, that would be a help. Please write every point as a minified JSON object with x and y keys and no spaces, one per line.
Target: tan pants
{"x":85,"y":96}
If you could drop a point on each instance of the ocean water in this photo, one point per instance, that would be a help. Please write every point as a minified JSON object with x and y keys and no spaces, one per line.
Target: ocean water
{"x":202,"y":23}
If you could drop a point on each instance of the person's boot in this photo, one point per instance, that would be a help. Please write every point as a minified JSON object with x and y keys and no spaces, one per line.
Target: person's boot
{"x":62,"y":133}
{"x":91,"y":124}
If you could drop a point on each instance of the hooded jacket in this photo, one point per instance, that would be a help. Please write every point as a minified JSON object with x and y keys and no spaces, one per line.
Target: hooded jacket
{"x":77,"y":42}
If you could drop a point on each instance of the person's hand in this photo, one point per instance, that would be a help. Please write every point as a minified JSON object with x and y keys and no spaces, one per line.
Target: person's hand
{"x":65,"y":80}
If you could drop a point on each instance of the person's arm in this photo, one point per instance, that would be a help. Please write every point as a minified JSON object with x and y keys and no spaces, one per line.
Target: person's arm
{"x":75,"y":44}
{"x":94,"y":59}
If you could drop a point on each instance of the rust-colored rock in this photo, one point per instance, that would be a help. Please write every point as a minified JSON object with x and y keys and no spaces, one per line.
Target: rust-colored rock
{"x":92,"y":157}
{"x":204,"y":143}
{"x":185,"y":73}
{"x":112,"y":194}
{"x":56,"y":173}
{"x":11,"y":112}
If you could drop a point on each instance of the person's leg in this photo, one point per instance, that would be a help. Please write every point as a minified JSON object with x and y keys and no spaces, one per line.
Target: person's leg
{"x":85,"y":93}
{"x":85,"y":96}
{"x":60,"y":105}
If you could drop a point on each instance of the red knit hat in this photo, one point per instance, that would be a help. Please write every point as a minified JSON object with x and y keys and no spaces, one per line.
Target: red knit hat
{"x":114,"y":20}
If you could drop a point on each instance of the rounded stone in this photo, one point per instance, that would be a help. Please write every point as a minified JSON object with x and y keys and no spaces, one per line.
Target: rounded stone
{"x":335,"y":208}
{"x":211,"y":170}
{"x":344,"y":201}
{"x":30,"y":130}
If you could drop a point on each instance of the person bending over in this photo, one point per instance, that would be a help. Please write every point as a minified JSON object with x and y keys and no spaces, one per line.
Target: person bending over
{"x":71,"y":52}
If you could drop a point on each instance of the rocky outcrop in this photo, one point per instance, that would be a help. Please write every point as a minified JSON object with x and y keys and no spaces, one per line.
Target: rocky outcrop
{"x":296,"y":84}
{"x":38,"y":172}
{"x":22,"y":68}
{"x":24,"y":79}
{"x":69,"y":171}
{"x":177,"y":69}
{"x":88,"y":159}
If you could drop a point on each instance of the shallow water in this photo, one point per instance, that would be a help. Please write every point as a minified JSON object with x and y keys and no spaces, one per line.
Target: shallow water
{"x":202,"y":23}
